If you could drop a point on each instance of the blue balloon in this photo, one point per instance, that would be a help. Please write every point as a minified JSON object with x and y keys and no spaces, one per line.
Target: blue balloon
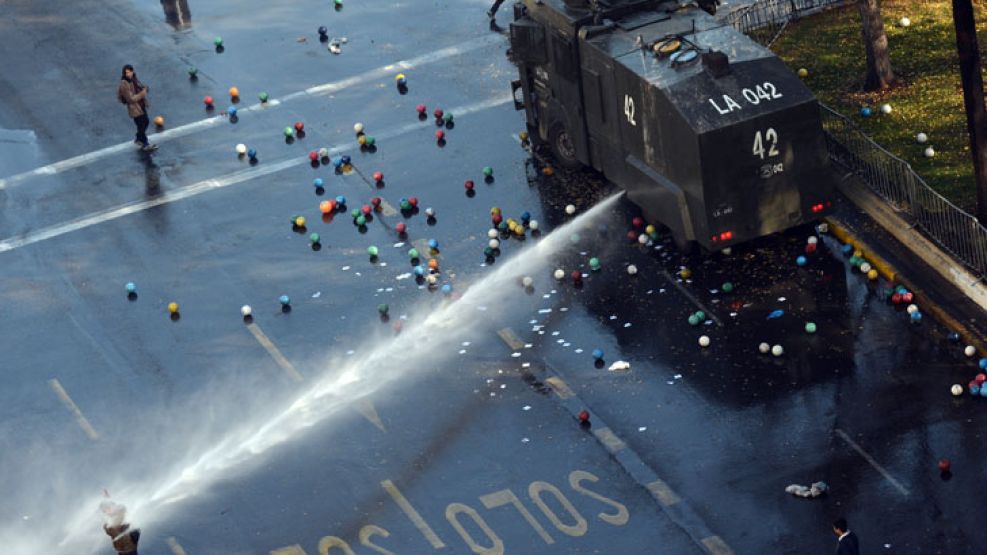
{"x":865,"y":111}
{"x":953,"y":337}
{"x":231,"y":110}
{"x":974,"y":389}
{"x":317,"y":182}
{"x":847,"y":249}
{"x":916,"y":317}
{"x":983,"y":363}
{"x":598,"y":354}
{"x":446,"y":289}
{"x":800,"y":261}
{"x":776,"y":314}
{"x":131,"y":287}
{"x":341,"y":200}
{"x":983,"y":391}
{"x":525,"y":217}
{"x":433,"y":244}
{"x":338,"y":162}
{"x":346,"y":160}
{"x":285,"y":300}
{"x":252,"y":153}
{"x":419,"y":270}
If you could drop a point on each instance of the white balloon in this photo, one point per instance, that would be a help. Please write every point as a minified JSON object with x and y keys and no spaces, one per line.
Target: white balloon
{"x":904,"y":22}
{"x":764,"y":348}
{"x":533,"y":225}
{"x":970,"y":350}
{"x":527,"y":282}
{"x":885,"y":108}
{"x":929,"y":152}
{"x":493,"y":233}
{"x":812,"y":240}
{"x":570,"y":209}
{"x":865,"y":267}
{"x":559,"y":274}
{"x":241,"y":148}
{"x":358,"y":127}
{"x":921,"y":137}
{"x":777,"y":350}
{"x":643,"y":238}
{"x":246,"y":310}
{"x":632,"y":269}
{"x":956,"y":390}
{"x":494,"y":244}
{"x":704,"y":341}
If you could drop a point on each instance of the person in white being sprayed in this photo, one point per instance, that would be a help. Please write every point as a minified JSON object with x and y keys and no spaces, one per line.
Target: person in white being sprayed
{"x":124,"y":538}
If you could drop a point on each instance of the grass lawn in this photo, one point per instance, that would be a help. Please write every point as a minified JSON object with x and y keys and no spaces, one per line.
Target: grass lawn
{"x":929,"y":98}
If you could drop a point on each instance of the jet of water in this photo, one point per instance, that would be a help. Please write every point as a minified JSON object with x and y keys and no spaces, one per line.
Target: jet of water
{"x":152,"y":499}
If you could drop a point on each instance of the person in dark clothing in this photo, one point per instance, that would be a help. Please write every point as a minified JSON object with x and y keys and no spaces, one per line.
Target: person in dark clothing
{"x":847,"y":543}
{"x":492,"y":14}
{"x":124,"y":538}
{"x":133,"y":94}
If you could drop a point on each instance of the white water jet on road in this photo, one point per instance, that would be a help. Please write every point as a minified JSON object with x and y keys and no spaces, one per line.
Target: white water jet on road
{"x":151,"y":499}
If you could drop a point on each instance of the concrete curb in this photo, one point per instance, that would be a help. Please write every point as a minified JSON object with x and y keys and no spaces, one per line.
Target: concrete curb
{"x":919,"y":246}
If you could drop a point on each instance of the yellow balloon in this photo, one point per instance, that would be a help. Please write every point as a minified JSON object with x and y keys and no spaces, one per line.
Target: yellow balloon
{"x":173,"y":308}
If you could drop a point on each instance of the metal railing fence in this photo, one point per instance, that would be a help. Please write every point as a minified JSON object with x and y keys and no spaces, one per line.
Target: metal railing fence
{"x":764,"y":20}
{"x":892,"y":179}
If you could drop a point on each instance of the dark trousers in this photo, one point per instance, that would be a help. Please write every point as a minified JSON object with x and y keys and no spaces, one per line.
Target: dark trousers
{"x":496,"y":6}
{"x":142,"y":122}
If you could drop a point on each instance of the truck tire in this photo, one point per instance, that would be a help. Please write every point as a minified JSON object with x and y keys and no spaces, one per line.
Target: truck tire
{"x":562,"y":147}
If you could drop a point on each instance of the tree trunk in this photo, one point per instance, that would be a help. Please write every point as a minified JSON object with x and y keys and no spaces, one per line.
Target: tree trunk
{"x":879,"y":73}
{"x":973,"y":97}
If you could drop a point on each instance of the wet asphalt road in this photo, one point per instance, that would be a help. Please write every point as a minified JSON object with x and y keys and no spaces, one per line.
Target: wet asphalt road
{"x":455,"y":424}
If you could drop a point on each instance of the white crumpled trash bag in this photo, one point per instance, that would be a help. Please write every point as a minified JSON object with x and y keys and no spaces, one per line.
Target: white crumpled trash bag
{"x":815,"y":490}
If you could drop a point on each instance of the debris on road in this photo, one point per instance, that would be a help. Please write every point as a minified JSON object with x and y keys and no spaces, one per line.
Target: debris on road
{"x":815,"y":490}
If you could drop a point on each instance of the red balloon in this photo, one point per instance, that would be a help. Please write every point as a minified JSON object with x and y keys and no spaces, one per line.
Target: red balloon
{"x":576,"y":276}
{"x":413,"y":201}
{"x":207,"y":100}
{"x":638,"y":221}
{"x":944,"y":465}
{"x":584,"y":416}
{"x":375,"y":201}
{"x":438,"y":113}
{"x":981,"y":378}
{"x":299,"y":126}
{"x":497,"y":218}
{"x":313,"y":156}
{"x":366,"y":210}
{"x":421,"y":108}
{"x":810,"y":248}
{"x":378,"y":176}
{"x":896,"y":298}
{"x":906,"y":297}
{"x":632,"y":236}
{"x":468,"y":184}
{"x":440,"y":134}
{"x":401,"y":227}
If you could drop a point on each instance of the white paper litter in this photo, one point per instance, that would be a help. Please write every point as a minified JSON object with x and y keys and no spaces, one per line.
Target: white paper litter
{"x":620,"y":365}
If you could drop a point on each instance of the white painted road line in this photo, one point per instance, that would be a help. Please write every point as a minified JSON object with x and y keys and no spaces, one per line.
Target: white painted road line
{"x":887,"y":475}
{"x":319,"y":90}
{"x":275,"y":353}
{"x":63,"y":395}
{"x":195,"y":189}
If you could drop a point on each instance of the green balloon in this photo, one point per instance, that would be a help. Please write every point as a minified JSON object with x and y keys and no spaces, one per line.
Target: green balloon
{"x":694,"y":320}
{"x":372,"y":250}
{"x":355,"y":213}
{"x":263,"y":97}
{"x":382,"y":308}
{"x":701,"y":315}
{"x":314,"y":237}
{"x":487,"y":171}
{"x":370,"y":140}
{"x":192,"y":71}
{"x":810,"y":327}
{"x":413,"y":253}
{"x":218,"y":41}
{"x":289,"y":131}
{"x":447,"y":117}
{"x":727,"y":287}
{"x":594,"y":263}
{"x":361,"y":220}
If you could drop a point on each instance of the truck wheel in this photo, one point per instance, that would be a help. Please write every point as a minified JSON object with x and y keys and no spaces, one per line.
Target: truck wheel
{"x":562,"y":147}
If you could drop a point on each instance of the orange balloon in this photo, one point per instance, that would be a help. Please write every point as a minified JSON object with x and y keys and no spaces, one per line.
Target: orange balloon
{"x":325,"y":207}
{"x":433,"y":264}
{"x":159,"y":121}
{"x":234,"y":91}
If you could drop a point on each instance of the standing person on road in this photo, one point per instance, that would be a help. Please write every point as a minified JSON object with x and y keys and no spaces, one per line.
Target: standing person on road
{"x":847,"y":542}
{"x":124,"y":538}
{"x":133,"y":94}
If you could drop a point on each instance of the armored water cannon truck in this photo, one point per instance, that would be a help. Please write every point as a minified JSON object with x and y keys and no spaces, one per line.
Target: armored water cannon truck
{"x":707,"y":131}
